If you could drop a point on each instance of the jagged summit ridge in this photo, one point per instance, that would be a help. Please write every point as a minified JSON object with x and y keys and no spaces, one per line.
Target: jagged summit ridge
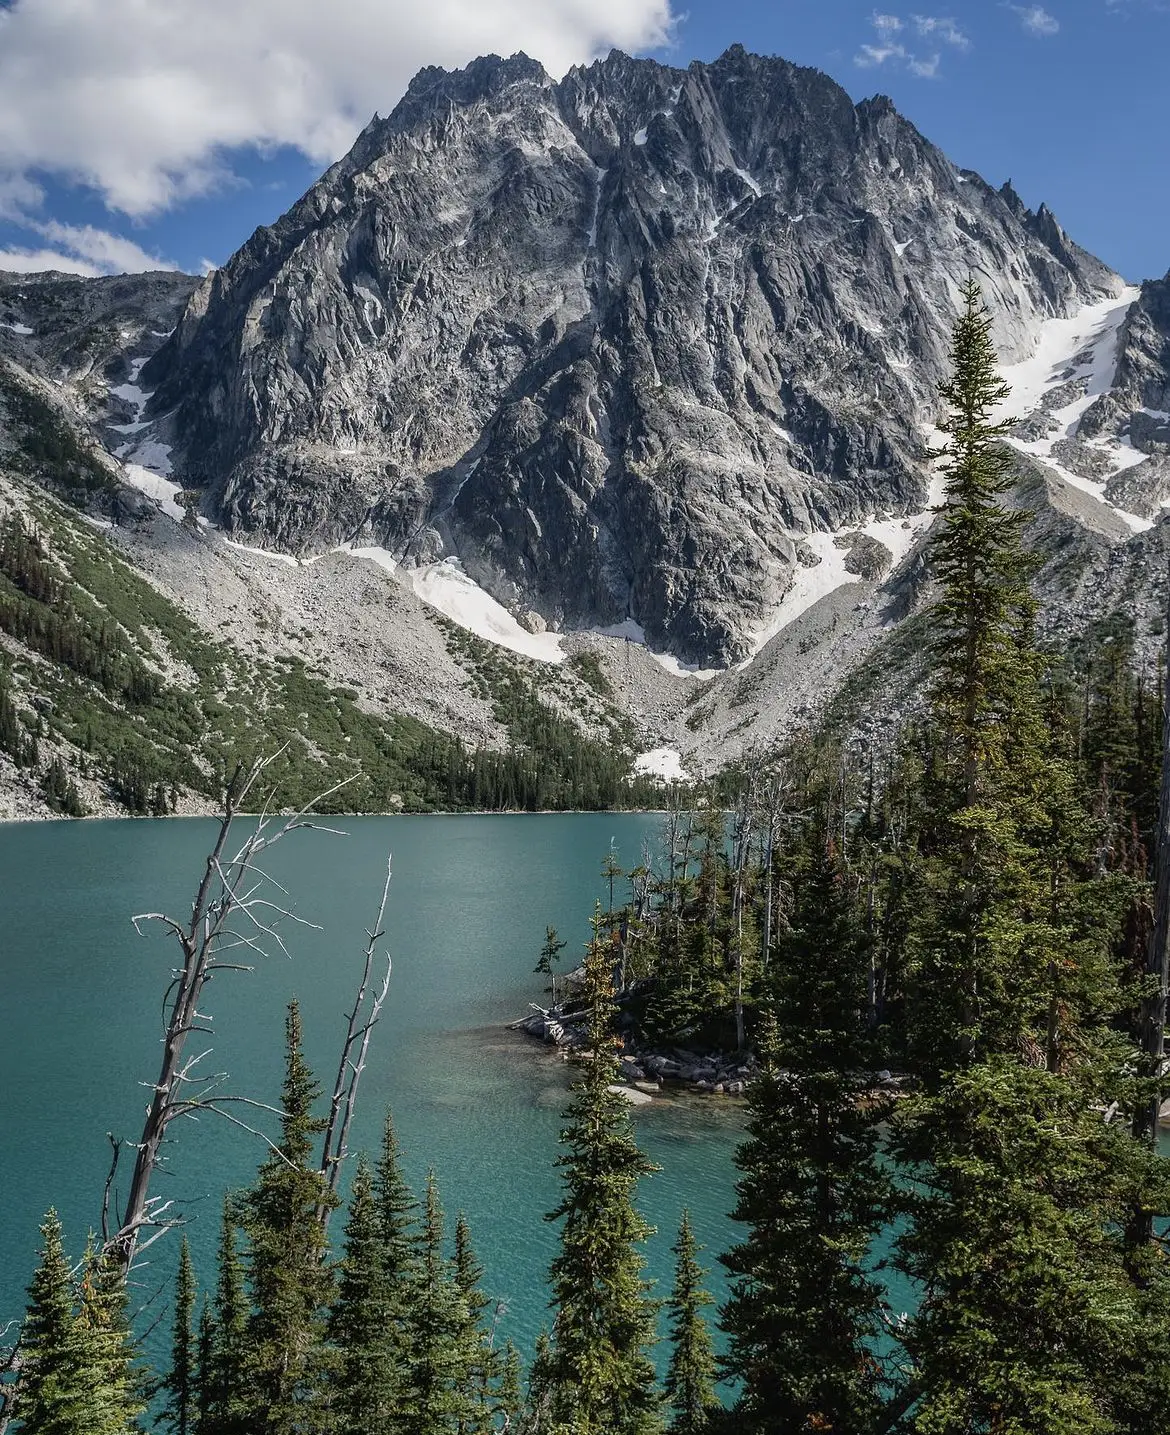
{"x":615,"y":341}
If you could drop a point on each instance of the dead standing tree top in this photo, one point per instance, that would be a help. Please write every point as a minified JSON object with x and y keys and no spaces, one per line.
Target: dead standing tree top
{"x":238,"y":910}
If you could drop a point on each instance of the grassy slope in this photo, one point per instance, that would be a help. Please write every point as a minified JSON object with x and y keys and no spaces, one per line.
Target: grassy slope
{"x":143,"y":744}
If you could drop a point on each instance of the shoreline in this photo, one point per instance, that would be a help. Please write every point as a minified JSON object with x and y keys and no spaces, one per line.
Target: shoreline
{"x":215,"y":814}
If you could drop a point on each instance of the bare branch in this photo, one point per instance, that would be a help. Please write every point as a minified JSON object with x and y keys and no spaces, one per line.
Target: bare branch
{"x":349,"y":1070}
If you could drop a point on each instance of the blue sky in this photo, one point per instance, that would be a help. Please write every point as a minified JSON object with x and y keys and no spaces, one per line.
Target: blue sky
{"x":143,"y":131}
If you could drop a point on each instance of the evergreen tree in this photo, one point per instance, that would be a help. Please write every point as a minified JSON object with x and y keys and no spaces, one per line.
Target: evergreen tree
{"x":690,"y":1378}
{"x":54,"y":1395}
{"x":476,"y":1357}
{"x":805,"y":1309}
{"x":224,"y":1396}
{"x":397,"y":1212}
{"x":181,"y":1380}
{"x":116,"y":1386}
{"x":509,"y":1400}
{"x":549,"y":955}
{"x":437,"y":1401}
{"x":288,"y":1275}
{"x":204,"y":1368}
{"x":1015,"y":1208}
{"x":598,"y":1373}
{"x":368,"y":1378}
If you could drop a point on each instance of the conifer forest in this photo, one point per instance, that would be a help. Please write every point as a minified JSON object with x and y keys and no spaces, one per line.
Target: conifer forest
{"x":939,"y":963}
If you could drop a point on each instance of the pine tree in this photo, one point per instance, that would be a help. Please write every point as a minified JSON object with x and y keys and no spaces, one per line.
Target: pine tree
{"x":598,"y":1373}
{"x":690,"y":1378}
{"x":54,"y":1396}
{"x":204,"y":1368}
{"x":367,"y":1380}
{"x":116,"y":1385}
{"x":805,"y":1309}
{"x":180,"y":1382}
{"x":288,"y":1276}
{"x":1015,"y":1209}
{"x":397,"y":1212}
{"x":224,"y":1396}
{"x":435,"y":1401}
{"x":549,"y":955}
{"x":476,"y":1357}
{"x":509,"y":1400}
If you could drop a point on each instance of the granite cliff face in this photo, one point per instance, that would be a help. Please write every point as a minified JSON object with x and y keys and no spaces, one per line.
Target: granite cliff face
{"x":616,"y":342}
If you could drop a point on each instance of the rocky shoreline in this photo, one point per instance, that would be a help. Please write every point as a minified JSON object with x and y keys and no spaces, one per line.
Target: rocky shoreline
{"x":648,"y":1071}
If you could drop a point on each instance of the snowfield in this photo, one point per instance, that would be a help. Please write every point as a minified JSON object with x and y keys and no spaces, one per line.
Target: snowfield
{"x":663,"y":762}
{"x":1080,"y":349}
{"x":810,"y":585}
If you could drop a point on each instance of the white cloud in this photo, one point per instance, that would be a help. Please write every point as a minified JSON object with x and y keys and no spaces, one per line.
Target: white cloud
{"x":79,"y":249}
{"x":889,"y":49}
{"x":934,"y":27}
{"x":140,"y":101}
{"x":870,"y":55}
{"x":112,"y":253}
{"x":18,"y":194}
{"x":1036,"y":20}
{"x":34,"y":261}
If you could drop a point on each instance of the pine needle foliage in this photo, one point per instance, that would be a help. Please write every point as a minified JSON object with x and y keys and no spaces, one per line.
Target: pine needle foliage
{"x":54,"y":1398}
{"x":116,"y":1385}
{"x":599,"y":1376}
{"x":690,"y":1377}
{"x":288,"y":1275}
{"x":806,"y":1309}
{"x":368,"y":1378}
{"x":438,"y":1398}
{"x":180,"y":1412}
{"x":223,"y":1388}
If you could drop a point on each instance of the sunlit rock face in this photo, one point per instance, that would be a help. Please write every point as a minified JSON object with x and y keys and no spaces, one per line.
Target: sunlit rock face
{"x":616,"y":342}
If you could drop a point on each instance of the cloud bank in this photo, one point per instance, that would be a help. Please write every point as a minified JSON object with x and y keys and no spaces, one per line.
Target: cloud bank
{"x":141,"y":102}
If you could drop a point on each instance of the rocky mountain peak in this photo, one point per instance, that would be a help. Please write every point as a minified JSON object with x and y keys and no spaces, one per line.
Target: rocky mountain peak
{"x":617,"y":343}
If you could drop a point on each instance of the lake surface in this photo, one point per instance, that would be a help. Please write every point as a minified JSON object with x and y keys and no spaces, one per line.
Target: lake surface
{"x":80,"y":996}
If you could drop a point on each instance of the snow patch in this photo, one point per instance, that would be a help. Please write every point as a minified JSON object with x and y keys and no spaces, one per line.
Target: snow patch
{"x":163,"y":490}
{"x":662,"y":762}
{"x":445,"y":587}
{"x":640,"y":137}
{"x":1085,"y":348}
{"x":21,"y":329}
{"x":264,"y":552}
{"x":900,"y":249}
{"x":635,"y":633}
{"x":810,"y":585}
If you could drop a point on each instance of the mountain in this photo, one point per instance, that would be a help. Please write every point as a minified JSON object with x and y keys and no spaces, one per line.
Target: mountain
{"x":618,"y":344}
{"x":581,"y":423}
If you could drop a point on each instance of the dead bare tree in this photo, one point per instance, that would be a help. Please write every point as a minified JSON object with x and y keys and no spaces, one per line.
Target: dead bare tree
{"x":238,"y":908}
{"x":354,"y":1049}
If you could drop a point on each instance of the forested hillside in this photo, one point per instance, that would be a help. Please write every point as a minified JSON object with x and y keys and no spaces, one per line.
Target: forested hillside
{"x":112,"y":699}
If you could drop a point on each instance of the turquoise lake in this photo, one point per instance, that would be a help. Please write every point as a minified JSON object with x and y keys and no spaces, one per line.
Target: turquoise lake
{"x":81,"y":992}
